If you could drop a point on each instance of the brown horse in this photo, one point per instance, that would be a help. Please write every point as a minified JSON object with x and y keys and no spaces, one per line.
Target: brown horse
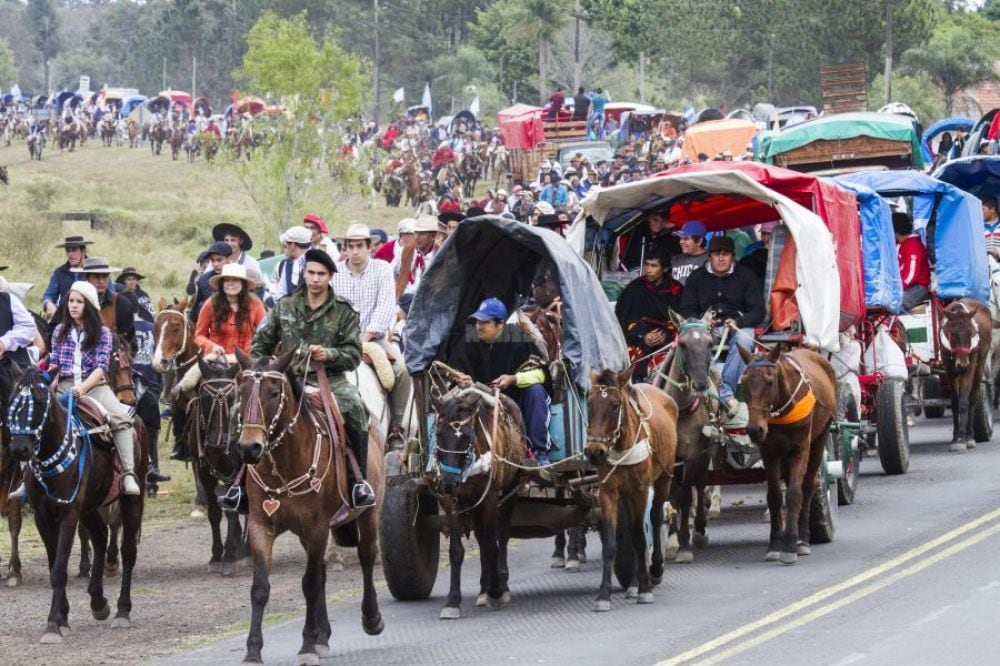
{"x":297,"y":483}
{"x":10,"y":478}
{"x":176,"y":141}
{"x":411,"y":178}
{"x":965,"y":346}
{"x":477,"y":433}
{"x":72,"y":478}
{"x":632,"y":441}
{"x":792,"y":399}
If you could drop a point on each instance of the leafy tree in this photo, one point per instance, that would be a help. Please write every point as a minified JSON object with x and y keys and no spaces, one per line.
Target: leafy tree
{"x":44,"y":22}
{"x":953,"y":59}
{"x":918,"y":92}
{"x":991,"y":10}
{"x":8,"y":70}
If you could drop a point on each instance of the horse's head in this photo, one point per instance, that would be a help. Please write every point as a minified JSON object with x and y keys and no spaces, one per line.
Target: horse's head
{"x":120,"y":372}
{"x":216,"y":396}
{"x":172,"y":335}
{"x":609,"y":391}
{"x":31,"y":401}
{"x":760,"y":388}
{"x":545,"y":287}
{"x":455,"y":434}
{"x":694,"y":348}
{"x":960,"y":334}
{"x":266,"y":405}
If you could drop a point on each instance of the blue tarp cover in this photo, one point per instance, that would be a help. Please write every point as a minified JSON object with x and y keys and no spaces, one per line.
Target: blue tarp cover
{"x":959,"y":247}
{"x":945,"y":125}
{"x":883,"y":285}
{"x":976,"y":175}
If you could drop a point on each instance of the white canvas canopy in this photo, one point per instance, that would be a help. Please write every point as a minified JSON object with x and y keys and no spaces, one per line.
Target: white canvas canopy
{"x":818,"y":291}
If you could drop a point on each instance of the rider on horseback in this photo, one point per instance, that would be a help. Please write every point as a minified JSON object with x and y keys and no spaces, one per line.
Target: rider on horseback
{"x":313,"y":318}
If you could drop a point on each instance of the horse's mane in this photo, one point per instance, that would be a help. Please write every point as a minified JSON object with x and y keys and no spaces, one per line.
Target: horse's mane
{"x":607,"y":377}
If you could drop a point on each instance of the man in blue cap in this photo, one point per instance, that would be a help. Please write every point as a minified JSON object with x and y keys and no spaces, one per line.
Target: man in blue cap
{"x":218,"y":254}
{"x":693,"y":255}
{"x":506,"y":358}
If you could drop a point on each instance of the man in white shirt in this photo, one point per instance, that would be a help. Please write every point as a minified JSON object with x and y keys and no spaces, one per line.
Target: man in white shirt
{"x":426,"y":230}
{"x":369,"y":286}
{"x":288,"y":274}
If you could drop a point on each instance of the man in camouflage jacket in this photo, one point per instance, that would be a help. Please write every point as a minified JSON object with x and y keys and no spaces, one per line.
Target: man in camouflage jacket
{"x":326,"y":327}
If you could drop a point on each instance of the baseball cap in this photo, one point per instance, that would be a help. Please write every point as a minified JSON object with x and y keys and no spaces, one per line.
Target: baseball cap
{"x":721,"y":244}
{"x":380,"y":234}
{"x":406,"y":226}
{"x":692,"y":228}
{"x":219,"y":247}
{"x":490,"y":309}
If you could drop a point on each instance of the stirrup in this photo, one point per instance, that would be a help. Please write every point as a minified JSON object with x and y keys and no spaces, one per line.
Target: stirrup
{"x":362,"y":495}
{"x":231,"y":500}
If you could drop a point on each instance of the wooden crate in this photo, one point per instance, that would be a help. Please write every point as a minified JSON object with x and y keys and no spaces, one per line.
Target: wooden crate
{"x":844,"y":88}
{"x":567,"y":130}
{"x":862,"y":150}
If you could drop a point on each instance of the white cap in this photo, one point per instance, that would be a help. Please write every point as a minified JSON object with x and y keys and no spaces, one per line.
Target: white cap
{"x":545,"y":208}
{"x":88,"y":291}
{"x":297,"y":234}
{"x":406,"y":226}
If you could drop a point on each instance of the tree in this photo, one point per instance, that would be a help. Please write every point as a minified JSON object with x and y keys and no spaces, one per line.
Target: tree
{"x":8,"y":70}
{"x":44,"y":22}
{"x":953,"y":59}
{"x":918,"y":92}
{"x":321,"y":88}
{"x":546,"y":18}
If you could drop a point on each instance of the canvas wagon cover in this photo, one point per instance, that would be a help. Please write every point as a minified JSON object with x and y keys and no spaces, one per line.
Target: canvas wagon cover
{"x":714,"y":136}
{"x":495,"y":257}
{"x":521,"y":126}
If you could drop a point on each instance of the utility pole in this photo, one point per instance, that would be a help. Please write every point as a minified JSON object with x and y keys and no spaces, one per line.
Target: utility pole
{"x":375,"y":59}
{"x":164,"y":73}
{"x":888,"y":51}
{"x":194,"y":77}
{"x":577,"y":74}
{"x":642,"y":77}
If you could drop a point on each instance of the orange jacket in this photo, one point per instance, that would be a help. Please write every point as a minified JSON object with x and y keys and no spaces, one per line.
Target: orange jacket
{"x":206,"y":337}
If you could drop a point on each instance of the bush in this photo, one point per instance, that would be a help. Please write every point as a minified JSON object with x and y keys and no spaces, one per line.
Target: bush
{"x":41,"y":194}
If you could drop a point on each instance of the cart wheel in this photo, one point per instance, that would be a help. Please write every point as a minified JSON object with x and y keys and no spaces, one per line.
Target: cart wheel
{"x":823,"y":505}
{"x":982,"y":414}
{"x":932,"y":391}
{"x":410,"y":542}
{"x":848,"y":449}
{"x":893,"y":433}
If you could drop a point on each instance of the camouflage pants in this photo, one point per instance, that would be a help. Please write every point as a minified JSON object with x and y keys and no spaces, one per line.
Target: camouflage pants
{"x":348,"y":400}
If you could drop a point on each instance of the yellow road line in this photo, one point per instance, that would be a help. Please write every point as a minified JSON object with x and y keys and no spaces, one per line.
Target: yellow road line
{"x":828,"y":592}
{"x":852,"y":597}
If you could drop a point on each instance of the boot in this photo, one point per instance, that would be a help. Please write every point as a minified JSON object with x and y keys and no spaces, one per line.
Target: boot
{"x":362,"y":494}
{"x":180,"y":451}
{"x":123,"y":443}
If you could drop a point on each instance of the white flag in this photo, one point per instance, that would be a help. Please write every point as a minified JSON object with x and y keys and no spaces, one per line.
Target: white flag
{"x":15,"y":90}
{"x":474,"y":107}
{"x":399,"y":95}
{"x":426,"y":101}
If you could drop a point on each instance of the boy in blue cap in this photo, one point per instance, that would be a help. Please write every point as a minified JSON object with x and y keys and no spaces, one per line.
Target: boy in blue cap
{"x":693,"y":255}
{"x":506,"y":358}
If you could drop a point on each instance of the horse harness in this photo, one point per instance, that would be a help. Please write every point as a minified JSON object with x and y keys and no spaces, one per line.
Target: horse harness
{"x":186,"y":335}
{"x":639,"y":451}
{"x":792,"y":411}
{"x":973,"y":342}
{"x":219,"y":390}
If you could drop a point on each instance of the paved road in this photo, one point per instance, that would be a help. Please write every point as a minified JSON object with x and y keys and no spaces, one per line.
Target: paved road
{"x":910,"y":578}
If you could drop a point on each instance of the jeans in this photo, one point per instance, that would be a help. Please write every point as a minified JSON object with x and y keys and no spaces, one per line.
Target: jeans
{"x":913,"y":296}
{"x":534,"y":403}
{"x":732,"y":368}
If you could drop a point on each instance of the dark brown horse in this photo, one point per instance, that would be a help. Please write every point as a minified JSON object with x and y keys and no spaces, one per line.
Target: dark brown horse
{"x":297,"y":483}
{"x":477,"y":434}
{"x":632,"y":441}
{"x":792,"y":399}
{"x":71,"y":478}
{"x":966,"y":332}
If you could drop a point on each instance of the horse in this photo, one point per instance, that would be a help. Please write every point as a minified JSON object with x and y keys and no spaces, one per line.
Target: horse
{"x":480,"y":437}
{"x":68,"y":137}
{"x":133,"y":134}
{"x":36,"y":145}
{"x":300,"y":487}
{"x":965,"y":329}
{"x":469,"y":172}
{"x":792,"y":400}
{"x":414,"y":186}
{"x":71,"y":478}
{"x":685,"y":376}
{"x":176,"y":141}
{"x":192,"y":146}
{"x":10,"y":478}
{"x":632,"y":443}
{"x":174,"y":352}
{"x":108,"y":131}
{"x":157,"y":135}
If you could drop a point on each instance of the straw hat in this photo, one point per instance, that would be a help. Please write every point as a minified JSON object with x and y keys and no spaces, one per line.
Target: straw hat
{"x":358,"y":231}
{"x":232,"y":272}
{"x":426,"y":223}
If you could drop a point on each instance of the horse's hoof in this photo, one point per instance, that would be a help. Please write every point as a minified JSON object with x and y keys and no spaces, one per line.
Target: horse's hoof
{"x":788,"y":558}
{"x":336,"y":566}
{"x":450,"y":613}
{"x":111,"y":572}
{"x":101,"y":614}
{"x":645,"y":598}
{"x":13,"y":580}
{"x":602,"y":606}
{"x":766,"y":518}
{"x":557,"y":562}
{"x":307,"y":659}
{"x":494,"y":604}
{"x":197,"y":513}
{"x":481,"y":600}
{"x":957,"y":447}
{"x":684,"y":557}
{"x":700,"y":540}
{"x":51,"y":638}
{"x":64,"y":630}
{"x":228,"y":569}
{"x":322,"y":651}
{"x":971,"y":444}
{"x":582,"y":557}
{"x":121,"y":623}
{"x":84,"y":573}
{"x":772,"y":556}
{"x":802,"y":548}
{"x":632,"y":591}
{"x":714,"y":510}
{"x":505,"y":598}
{"x":671,"y":553}
{"x":655,"y":580}
{"x":573,"y":566}
{"x":373,"y":628}
{"x":214,"y":567}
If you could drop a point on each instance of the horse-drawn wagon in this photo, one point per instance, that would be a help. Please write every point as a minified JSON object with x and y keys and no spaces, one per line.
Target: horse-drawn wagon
{"x":490,"y":257}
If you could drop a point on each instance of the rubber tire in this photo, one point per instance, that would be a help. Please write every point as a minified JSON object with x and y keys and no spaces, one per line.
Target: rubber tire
{"x":624,"y":564}
{"x":931,"y":390}
{"x":982,"y":415}
{"x":410,"y":548}
{"x":823,"y":507}
{"x":847,"y":485}
{"x":893,"y":432}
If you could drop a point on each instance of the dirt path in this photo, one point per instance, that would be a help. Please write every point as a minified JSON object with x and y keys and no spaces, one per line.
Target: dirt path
{"x":176,"y":603}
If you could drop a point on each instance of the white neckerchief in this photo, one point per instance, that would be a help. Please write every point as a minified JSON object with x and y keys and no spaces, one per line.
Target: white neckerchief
{"x":78,"y":338}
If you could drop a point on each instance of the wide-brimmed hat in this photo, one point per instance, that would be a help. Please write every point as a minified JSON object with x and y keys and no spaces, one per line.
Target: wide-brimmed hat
{"x":297,"y":234}
{"x":95,"y":266}
{"x":426,"y":223}
{"x":233,"y":272}
{"x":474,"y":211}
{"x":451,"y":216}
{"x":318,"y":220}
{"x":75,"y":241}
{"x":130,"y":271}
{"x":222,"y":229}
{"x":358,"y":231}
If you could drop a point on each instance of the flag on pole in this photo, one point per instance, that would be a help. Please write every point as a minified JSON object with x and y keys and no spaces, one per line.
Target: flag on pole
{"x":689,"y":113}
{"x":426,"y":101}
{"x":399,"y":95}
{"x":474,"y":107}
{"x":15,"y":90}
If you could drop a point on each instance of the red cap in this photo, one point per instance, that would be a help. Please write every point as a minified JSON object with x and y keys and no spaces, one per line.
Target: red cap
{"x":317,"y":219}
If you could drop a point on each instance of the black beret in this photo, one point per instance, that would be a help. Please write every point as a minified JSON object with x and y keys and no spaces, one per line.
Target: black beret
{"x":321,"y":257}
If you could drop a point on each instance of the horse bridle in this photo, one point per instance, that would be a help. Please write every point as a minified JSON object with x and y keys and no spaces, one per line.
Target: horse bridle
{"x":219,"y":390}
{"x":123,"y":365}
{"x":253,"y":417}
{"x":610,"y":440}
{"x":946,"y":338}
{"x":469,"y":452}
{"x":803,"y":381}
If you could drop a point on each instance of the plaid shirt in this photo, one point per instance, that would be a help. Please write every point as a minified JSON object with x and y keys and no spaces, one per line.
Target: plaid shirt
{"x":62,"y":353}
{"x":372,"y":292}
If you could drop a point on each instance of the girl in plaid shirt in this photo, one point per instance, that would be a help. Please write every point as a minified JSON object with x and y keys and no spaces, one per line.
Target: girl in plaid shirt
{"x":81,"y":347}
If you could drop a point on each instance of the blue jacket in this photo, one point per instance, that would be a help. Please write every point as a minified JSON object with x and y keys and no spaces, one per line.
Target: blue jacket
{"x":59,"y":284}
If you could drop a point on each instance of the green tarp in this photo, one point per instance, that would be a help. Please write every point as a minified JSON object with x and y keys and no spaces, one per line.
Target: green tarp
{"x":839,"y":127}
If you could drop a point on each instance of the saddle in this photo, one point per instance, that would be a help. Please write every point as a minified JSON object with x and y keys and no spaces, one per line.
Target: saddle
{"x":378,"y":360}
{"x":95,"y":418}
